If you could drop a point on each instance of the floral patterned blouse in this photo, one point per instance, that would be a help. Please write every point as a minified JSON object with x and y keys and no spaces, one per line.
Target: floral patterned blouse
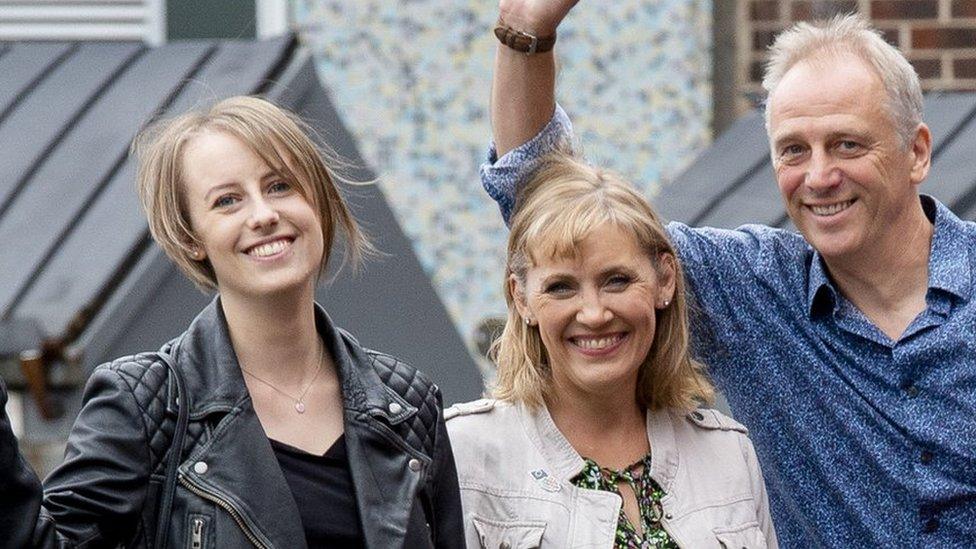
{"x":648,"y":494}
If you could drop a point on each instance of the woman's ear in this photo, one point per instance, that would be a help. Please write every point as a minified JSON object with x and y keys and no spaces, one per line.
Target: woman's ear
{"x":517,"y":289}
{"x":195,"y":251}
{"x":667,"y":273}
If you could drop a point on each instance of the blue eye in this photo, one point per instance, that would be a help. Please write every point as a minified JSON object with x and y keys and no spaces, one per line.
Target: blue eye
{"x":279,"y":187}
{"x":618,"y":282}
{"x":557,"y":288}
{"x":224,"y":201}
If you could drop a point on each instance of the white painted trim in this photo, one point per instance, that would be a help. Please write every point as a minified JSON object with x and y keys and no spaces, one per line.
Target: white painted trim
{"x":156,"y":22}
{"x":89,"y":31}
{"x":15,"y":413}
{"x":271,"y":18}
{"x":69,"y":14}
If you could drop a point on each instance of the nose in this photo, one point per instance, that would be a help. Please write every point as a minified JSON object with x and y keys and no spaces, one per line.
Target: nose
{"x":262,"y":214}
{"x":592,"y":311}
{"x":822,"y":172}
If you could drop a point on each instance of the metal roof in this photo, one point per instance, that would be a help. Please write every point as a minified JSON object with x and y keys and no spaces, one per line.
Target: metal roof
{"x":78,"y":269}
{"x":731,"y":183}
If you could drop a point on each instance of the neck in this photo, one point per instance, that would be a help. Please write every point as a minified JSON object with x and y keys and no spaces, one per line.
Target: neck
{"x":606,"y":428}
{"x":274,"y":337}
{"x":888,"y":283}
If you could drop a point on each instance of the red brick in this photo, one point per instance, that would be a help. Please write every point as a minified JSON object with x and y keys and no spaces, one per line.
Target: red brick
{"x":891,"y":36}
{"x":964,"y":8}
{"x":928,"y":68}
{"x":764,"y":10}
{"x":904,"y":9}
{"x":822,"y":9}
{"x":943,"y":38}
{"x":964,"y":68}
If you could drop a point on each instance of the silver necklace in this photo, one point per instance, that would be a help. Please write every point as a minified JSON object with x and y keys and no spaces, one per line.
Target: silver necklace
{"x":300,"y":401}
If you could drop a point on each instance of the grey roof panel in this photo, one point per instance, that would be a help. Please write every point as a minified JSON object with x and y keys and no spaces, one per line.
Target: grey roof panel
{"x":34,"y":128}
{"x":732,"y":157}
{"x":944,"y":113}
{"x":113,"y":231}
{"x":755,"y":200}
{"x":23,"y":65}
{"x":74,"y":173}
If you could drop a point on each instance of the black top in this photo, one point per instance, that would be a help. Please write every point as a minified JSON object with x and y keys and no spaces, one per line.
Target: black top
{"x":323,"y":490}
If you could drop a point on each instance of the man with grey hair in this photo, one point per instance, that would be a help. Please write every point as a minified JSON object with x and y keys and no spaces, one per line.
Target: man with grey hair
{"x":848,"y":351}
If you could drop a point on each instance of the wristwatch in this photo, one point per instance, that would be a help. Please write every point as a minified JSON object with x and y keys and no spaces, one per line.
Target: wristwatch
{"x":522,"y":41}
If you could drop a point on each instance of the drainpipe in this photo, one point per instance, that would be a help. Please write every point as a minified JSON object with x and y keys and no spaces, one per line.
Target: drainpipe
{"x":22,"y":341}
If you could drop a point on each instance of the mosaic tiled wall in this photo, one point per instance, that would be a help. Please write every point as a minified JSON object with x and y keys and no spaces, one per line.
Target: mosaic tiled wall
{"x":412,"y":78}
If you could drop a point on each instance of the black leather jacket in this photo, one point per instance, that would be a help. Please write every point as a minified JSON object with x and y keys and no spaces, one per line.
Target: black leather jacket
{"x":231,"y":491}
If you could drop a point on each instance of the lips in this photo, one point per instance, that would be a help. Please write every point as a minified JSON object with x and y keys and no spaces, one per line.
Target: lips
{"x":269,"y":248}
{"x":826,"y":210}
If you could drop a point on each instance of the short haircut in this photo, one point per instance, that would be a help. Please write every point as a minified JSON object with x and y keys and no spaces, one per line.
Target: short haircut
{"x":565,"y":201}
{"x":851,"y":34}
{"x":277,"y":136}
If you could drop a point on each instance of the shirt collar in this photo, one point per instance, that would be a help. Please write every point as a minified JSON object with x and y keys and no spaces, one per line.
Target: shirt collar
{"x":949,"y":263}
{"x":949,"y":269}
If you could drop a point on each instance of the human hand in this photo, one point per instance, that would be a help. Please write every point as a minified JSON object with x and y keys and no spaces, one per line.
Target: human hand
{"x":537,"y":17}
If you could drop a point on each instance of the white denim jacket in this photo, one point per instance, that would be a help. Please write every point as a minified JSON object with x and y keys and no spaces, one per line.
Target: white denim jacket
{"x":515,"y":467}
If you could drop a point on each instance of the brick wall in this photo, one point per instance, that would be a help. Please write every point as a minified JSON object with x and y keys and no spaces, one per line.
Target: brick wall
{"x":937,"y":36}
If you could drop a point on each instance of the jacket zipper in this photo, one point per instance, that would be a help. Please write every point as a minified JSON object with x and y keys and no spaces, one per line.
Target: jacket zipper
{"x":196,"y":535}
{"x":226,"y":507}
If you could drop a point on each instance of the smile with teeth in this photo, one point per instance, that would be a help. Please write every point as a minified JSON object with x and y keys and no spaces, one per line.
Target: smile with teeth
{"x":269,"y":249}
{"x":597,"y":343}
{"x":831,"y":209}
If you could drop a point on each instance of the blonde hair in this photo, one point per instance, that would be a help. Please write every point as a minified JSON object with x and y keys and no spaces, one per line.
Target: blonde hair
{"x":278,"y":137}
{"x":562,"y":204}
{"x":851,"y":34}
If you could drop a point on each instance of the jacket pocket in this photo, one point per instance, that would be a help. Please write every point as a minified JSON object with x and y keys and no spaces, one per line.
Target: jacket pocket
{"x":499,"y":534}
{"x":198,"y":532}
{"x":747,"y":536}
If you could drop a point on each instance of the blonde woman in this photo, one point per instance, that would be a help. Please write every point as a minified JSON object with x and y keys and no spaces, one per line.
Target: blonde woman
{"x":594,"y":438}
{"x":297,"y":436}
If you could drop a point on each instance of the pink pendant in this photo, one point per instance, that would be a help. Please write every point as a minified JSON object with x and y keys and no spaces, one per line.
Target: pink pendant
{"x":300,"y":407}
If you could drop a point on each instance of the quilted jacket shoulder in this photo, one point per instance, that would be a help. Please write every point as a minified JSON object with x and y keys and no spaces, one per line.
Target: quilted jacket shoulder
{"x":418,"y":390}
{"x":147,"y":376}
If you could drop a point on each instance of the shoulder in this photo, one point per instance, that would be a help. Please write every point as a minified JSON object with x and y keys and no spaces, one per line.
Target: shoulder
{"x":708,"y":419}
{"x":707,"y":431}
{"x":481,"y":423}
{"x":461,"y":409}
{"x":144,"y":375}
{"x":405,"y":380}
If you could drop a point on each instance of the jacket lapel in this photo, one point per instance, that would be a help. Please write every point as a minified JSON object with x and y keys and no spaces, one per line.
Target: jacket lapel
{"x":379,"y":458}
{"x":241,"y":469}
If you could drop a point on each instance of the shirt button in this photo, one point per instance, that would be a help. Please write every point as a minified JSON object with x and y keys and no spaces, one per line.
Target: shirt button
{"x":394,"y":408}
{"x":925,"y":457}
{"x":505,"y":545}
{"x":911,"y":390}
{"x":931,"y":525}
{"x":200,"y":467}
{"x":414,"y":465}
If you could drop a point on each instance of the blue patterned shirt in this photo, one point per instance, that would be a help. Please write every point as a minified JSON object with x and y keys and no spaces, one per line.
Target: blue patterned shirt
{"x":864,"y":441}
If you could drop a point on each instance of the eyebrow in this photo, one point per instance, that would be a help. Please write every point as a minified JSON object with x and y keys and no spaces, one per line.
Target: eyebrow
{"x":219,"y":188}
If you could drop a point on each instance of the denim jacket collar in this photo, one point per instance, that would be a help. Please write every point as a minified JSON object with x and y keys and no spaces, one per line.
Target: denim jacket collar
{"x":566,"y":462}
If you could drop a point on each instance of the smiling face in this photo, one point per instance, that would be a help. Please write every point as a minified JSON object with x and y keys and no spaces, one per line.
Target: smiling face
{"x":849,"y":182}
{"x":258,"y":231}
{"x":596,"y":311}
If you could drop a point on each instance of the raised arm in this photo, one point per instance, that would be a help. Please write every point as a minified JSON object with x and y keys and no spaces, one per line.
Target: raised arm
{"x":526,"y":123}
{"x":523,"y":88}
